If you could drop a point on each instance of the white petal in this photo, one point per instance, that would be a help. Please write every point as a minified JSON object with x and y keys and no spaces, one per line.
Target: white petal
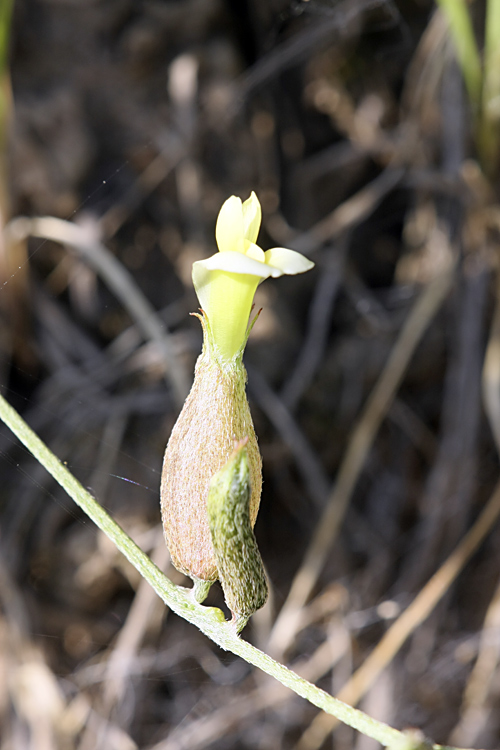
{"x":229,"y":228}
{"x":201,"y":278}
{"x":252,"y":217}
{"x":237,"y":263}
{"x":287,"y":261}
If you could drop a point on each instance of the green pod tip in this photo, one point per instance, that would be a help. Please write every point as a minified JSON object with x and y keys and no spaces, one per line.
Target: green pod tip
{"x":239,"y":563}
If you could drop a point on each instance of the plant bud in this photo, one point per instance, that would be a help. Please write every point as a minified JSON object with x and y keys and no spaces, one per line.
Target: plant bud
{"x":215,"y":414}
{"x":238,"y":559}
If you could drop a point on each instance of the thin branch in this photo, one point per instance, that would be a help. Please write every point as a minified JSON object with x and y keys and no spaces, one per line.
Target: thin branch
{"x":462,"y":33}
{"x":418,"y":611}
{"x":116,"y":277}
{"x":357,"y":451}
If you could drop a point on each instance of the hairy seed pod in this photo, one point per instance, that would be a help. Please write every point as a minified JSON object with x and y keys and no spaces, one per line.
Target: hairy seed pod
{"x":241,"y":571}
{"x":215,"y":414}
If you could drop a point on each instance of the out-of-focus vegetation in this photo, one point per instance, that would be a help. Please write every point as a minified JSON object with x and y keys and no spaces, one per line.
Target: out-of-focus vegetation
{"x":132,"y":123}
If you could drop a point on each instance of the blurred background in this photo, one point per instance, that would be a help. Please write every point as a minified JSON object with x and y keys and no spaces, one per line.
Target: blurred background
{"x":128,"y":126}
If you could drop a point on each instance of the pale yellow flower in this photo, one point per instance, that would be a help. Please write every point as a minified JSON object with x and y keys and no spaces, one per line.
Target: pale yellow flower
{"x":226,"y":282}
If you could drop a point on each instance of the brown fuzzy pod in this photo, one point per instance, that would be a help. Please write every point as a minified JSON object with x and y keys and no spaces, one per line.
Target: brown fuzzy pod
{"x":215,"y":414}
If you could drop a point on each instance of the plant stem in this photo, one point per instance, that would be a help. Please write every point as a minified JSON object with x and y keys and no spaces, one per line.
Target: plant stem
{"x":5,"y":101}
{"x":457,"y":15}
{"x":209,"y":620}
{"x":5,"y":18}
{"x":489,"y":135}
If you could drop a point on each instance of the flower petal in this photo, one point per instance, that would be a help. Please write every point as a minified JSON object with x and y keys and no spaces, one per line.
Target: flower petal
{"x":254,"y":251}
{"x":231,"y":262}
{"x":237,"y":263}
{"x":229,"y":301}
{"x":252,"y":217}
{"x":287,"y":261}
{"x":201,"y":283}
{"x":229,"y":228}
{"x":225,"y":285}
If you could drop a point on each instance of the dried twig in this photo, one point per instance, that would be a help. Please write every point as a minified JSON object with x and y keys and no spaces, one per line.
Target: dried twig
{"x":116,"y":277}
{"x":359,"y":445}
{"x":408,"y":621}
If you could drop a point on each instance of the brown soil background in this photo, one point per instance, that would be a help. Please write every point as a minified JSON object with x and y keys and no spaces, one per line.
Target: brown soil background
{"x":135,"y":121}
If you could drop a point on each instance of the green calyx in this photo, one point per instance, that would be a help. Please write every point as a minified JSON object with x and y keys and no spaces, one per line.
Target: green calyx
{"x":212,"y":349}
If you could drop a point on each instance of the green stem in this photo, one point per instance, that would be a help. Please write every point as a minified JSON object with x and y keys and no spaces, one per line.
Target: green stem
{"x":489,"y":135}
{"x":209,"y":620}
{"x":462,"y":33}
{"x":6,"y":7}
{"x":5,"y":19}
